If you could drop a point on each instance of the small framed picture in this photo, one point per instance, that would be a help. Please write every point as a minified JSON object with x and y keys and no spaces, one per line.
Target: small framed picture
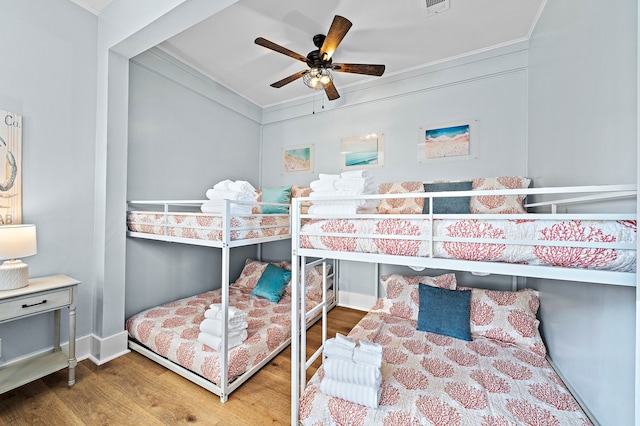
{"x":452,"y":140}
{"x":297,"y":159}
{"x":362,"y":152}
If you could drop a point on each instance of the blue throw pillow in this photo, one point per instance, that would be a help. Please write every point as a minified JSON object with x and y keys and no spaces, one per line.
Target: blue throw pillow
{"x":278,"y":194}
{"x":449,"y":205}
{"x":445,"y":312}
{"x":272,"y":283}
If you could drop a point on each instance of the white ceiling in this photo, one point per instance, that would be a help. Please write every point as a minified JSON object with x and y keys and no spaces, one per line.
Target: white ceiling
{"x":395,"y":33}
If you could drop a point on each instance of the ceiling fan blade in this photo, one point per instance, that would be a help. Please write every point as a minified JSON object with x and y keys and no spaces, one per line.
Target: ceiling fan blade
{"x":337,"y":31}
{"x":331,"y":91}
{"x":367,"y":69}
{"x":287,"y":80}
{"x":277,"y":48}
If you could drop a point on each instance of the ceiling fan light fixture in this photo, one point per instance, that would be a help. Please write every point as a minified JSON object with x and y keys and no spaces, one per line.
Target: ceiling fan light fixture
{"x":317,"y":78}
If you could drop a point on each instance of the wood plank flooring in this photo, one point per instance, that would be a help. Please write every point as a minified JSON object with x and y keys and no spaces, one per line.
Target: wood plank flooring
{"x":133,"y":390}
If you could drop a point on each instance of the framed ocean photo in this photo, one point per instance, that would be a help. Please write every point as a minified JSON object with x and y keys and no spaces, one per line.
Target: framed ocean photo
{"x":362,"y":152}
{"x":453,"y":140}
{"x":297,"y":159}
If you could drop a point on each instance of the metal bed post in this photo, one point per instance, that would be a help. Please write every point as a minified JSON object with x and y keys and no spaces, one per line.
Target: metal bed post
{"x":295,"y":313}
{"x":224,"y":360}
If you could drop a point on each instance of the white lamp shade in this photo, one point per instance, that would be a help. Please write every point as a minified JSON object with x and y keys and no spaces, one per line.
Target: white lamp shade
{"x":17,"y":241}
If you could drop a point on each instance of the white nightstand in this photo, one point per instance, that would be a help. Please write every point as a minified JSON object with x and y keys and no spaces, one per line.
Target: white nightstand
{"x":42,"y":295}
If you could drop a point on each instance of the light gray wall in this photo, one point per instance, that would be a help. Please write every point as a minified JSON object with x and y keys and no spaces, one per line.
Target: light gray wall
{"x":582,"y":130}
{"x":181,"y":142}
{"x":490,"y":87}
{"x":48,"y":76}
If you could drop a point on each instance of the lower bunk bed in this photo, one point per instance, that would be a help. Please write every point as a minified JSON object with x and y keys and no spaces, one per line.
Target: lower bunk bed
{"x":498,"y":377}
{"x":168,"y":333}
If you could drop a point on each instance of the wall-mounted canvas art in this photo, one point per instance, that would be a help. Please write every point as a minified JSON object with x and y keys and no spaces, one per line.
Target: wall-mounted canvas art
{"x":362,"y":152}
{"x":456,"y":139}
{"x":11,"y":173}
{"x":297,"y":159}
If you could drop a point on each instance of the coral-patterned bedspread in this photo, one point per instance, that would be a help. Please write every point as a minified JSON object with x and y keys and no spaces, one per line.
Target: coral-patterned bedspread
{"x":429,"y":379}
{"x":204,"y":226}
{"x":171,"y":330}
{"x":543,"y":230}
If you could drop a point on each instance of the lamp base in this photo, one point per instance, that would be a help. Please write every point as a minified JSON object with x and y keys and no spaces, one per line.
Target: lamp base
{"x":13,"y":274}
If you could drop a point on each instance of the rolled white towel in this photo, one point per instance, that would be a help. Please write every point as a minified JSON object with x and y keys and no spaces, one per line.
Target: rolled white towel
{"x":335,"y":349}
{"x":224,"y":184}
{"x":375,"y":348}
{"x":235,"y":315}
{"x":228,"y":194}
{"x":351,"y":372}
{"x":215,"y":342}
{"x":322,"y":185}
{"x":364,"y":395}
{"x":214,"y":326}
{"x":344,"y":340}
{"x":355,"y":174}
{"x":365,"y":357}
{"x":244,"y":187}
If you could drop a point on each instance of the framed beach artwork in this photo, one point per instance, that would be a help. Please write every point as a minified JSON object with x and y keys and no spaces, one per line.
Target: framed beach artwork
{"x":362,"y":152}
{"x":297,"y":159}
{"x":11,"y":173}
{"x":455,"y":140}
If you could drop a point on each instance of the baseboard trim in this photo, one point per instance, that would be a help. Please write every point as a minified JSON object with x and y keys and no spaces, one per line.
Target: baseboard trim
{"x":104,"y":349}
{"x":361,"y":302}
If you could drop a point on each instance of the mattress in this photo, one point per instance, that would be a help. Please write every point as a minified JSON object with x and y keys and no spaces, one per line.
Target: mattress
{"x":205,"y":226}
{"x":430,"y":379}
{"x":526,"y":241}
{"x":171,"y":330}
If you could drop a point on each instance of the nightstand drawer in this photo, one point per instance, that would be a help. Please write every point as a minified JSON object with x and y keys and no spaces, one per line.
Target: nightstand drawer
{"x":35,"y":303}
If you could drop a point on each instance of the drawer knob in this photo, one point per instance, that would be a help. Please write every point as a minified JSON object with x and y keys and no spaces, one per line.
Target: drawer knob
{"x":34,"y":304}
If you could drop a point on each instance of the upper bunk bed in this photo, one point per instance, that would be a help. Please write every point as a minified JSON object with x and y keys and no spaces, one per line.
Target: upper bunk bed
{"x":565,"y":233}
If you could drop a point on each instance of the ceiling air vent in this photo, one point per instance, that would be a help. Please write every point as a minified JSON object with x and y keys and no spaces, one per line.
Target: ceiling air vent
{"x":435,"y":6}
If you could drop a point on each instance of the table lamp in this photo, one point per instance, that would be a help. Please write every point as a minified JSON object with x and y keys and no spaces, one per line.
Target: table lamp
{"x":16,"y":241}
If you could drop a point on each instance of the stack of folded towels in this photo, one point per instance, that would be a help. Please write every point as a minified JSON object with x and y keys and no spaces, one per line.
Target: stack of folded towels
{"x":211,"y":327}
{"x":351,"y":371}
{"x":239,"y":190}
{"x":350,"y":183}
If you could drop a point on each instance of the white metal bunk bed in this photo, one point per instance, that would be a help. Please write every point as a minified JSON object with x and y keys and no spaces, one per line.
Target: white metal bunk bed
{"x":180,"y":221}
{"x":303,"y":246}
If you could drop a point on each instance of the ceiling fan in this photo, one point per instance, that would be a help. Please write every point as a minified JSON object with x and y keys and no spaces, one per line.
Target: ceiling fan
{"x":319,"y":75}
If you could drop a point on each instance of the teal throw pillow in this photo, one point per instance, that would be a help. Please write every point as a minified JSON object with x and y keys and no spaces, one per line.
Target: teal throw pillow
{"x":445,"y":312}
{"x":272,"y":283}
{"x":278,"y":194}
{"x":448,"y":205}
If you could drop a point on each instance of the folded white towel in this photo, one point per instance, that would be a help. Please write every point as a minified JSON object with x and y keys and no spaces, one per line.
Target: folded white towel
{"x":228,"y":194}
{"x":366,"y":357}
{"x":214,"y":326}
{"x":351,"y":372}
{"x":212,"y":206}
{"x":322,"y":185}
{"x":244,"y":187}
{"x":324,"y":176}
{"x":344,"y":340}
{"x":335,"y":349}
{"x":355,"y":174}
{"x":354,"y":183}
{"x":375,"y":348}
{"x":365,"y":395}
{"x":215,"y":342}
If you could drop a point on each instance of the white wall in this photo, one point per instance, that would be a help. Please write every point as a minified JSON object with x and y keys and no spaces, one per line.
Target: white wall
{"x":181,"y":142}
{"x":582,"y":130}
{"x":48,"y":76}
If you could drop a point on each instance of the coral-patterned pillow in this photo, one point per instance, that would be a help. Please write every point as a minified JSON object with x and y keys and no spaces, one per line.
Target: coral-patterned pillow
{"x":253,"y":270}
{"x":507,"y":316}
{"x":401,"y":205}
{"x":302,"y":191}
{"x":497,"y":204}
{"x":313,"y":282}
{"x":402,"y":298}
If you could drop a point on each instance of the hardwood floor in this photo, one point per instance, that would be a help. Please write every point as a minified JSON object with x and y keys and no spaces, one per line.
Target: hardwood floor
{"x":133,"y":390}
